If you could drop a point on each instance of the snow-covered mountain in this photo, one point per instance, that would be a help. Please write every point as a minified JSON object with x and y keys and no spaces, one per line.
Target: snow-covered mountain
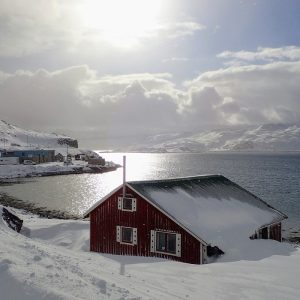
{"x":270,"y":137}
{"x":13,"y":137}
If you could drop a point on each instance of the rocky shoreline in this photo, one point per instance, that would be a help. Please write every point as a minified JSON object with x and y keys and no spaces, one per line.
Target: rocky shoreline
{"x":42,"y":212}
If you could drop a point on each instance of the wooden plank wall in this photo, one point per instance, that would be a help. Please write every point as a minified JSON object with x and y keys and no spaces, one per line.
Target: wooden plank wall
{"x":275,"y":232}
{"x":106,"y":217}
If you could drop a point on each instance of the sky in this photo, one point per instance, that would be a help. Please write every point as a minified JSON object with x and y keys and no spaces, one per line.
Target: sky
{"x":107,"y":72}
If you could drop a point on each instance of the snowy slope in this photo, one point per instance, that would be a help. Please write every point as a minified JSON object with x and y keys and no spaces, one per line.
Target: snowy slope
{"x":252,"y":138}
{"x":13,"y":137}
{"x":51,"y":261}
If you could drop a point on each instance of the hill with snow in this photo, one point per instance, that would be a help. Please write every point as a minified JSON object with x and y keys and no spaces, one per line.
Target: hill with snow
{"x":13,"y":137}
{"x":50,"y":259}
{"x":270,"y":137}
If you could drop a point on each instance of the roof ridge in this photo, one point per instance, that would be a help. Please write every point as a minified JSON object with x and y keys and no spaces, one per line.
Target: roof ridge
{"x":177,"y":178}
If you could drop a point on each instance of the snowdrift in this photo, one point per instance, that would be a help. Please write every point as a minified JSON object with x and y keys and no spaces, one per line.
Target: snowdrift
{"x":50,"y":259}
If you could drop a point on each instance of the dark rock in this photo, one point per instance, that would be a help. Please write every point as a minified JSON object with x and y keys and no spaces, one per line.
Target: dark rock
{"x":68,"y":141}
{"x":214,"y":251}
{"x":12,"y":221}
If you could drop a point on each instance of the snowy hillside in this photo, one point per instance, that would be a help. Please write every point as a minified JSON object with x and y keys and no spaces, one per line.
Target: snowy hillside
{"x":14,"y":137}
{"x":51,"y":260}
{"x":252,"y":138}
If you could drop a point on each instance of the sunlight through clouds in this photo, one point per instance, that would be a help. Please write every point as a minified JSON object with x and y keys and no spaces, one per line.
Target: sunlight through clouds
{"x":121,"y":22}
{"x":36,"y":27}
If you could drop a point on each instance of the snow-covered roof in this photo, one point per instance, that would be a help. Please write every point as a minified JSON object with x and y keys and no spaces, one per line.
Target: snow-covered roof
{"x":212,"y":207}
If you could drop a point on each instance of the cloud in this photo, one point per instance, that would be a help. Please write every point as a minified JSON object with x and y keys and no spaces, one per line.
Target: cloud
{"x":291,"y":53}
{"x":84,"y":104}
{"x":260,"y":93}
{"x":134,"y":110}
{"x":41,"y":99}
{"x":77,"y":100}
{"x":201,"y":105}
{"x":180,"y":29}
{"x":175,"y":59}
{"x":31,"y":27}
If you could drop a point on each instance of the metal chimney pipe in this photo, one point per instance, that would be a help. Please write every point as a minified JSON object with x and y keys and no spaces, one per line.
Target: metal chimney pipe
{"x":124,"y":175}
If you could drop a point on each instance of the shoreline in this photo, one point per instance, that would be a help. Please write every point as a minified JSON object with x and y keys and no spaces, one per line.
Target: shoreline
{"x":22,"y":171}
{"x":17,"y":173}
{"x":43,"y":212}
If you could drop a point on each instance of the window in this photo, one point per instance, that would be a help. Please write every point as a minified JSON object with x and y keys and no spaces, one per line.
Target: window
{"x":166,"y":242}
{"x":127,"y":203}
{"x":126,"y":235}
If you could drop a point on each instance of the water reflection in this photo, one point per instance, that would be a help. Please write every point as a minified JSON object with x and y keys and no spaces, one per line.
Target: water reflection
{"x":274,"y":178}
{"x":76,"y":193}
{"x":139,"y":166}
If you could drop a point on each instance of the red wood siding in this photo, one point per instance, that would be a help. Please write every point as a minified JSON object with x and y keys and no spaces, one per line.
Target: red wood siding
{"x":107,"y":216}
{"x":275,"y":232}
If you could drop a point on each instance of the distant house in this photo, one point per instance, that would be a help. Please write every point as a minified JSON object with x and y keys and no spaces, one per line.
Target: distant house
{"x":36,"y":155}
{"x":96,"y":161}
{"x":184,"y":219}
{"x":80,"y":156}
{"x":59,"y":157}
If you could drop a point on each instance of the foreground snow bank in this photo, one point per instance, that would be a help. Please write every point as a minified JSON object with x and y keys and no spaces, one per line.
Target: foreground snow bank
{"x":51,"y":260}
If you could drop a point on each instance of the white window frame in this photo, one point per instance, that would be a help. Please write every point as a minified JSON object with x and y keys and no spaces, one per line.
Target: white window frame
{"x":120,"y":204}
{"x":153,"y":243}
{"x":119,"y":235}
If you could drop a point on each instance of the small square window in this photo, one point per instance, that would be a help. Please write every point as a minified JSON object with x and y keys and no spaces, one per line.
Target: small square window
{"x":127,"y":203}
{"x":127,"y":235}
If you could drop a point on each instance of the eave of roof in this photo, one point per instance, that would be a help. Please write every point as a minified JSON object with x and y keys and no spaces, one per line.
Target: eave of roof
{"x":96,"y":204}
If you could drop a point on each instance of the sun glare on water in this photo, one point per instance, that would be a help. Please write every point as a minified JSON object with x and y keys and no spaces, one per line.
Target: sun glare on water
{"x":121,"y":22}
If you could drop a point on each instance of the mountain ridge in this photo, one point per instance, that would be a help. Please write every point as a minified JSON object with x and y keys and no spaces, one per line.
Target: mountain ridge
{"x":14,"y":137}
{"x":266,"y":137}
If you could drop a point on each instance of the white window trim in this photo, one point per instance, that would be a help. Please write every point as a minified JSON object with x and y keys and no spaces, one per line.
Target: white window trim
{"x":153,"y":243}
{"x":119,"y":235}
{"x":203,"y":254}
{"x":120,"y":204}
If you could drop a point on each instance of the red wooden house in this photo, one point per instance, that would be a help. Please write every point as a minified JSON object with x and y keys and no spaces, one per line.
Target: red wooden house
{"x":184,"y":219}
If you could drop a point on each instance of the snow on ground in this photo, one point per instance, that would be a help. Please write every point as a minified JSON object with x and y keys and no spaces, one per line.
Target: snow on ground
{"x":13,"y":137}
{"x":51,"y":260}
{"x":15,"y":171}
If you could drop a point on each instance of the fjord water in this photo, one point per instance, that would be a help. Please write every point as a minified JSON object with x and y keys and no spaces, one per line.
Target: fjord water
{"x":273,"y":177}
